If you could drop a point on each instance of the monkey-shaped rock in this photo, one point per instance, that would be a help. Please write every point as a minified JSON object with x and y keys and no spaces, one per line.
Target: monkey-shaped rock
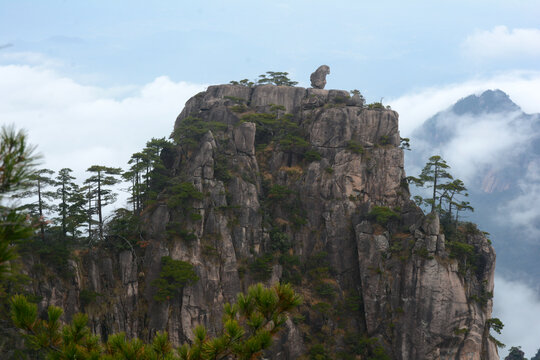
{"x":318,"y":78}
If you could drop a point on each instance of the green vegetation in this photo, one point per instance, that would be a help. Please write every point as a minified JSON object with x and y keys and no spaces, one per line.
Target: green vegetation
{"x":243,"y":82}
{"x":355,"y":147}
{"x":384,"y":140}
{"x":312,"y":155}
{"x":173,"y":277}
{"x":191,"y":130}
{"x":446,"y":190}
{"x":325,"y":290}
{"x":279,"y":193}
{"x":17,"y":167}
{"x":515,"y":354}
{"x":87,"y":297}
{"x":365,"y":347}
{"x":382,"y":215}
{"x":271,"y":77}
{"x":404,"y":143}
{"x":376,"y":106}
{"x":147,"y":174}
{"x":182,"y":194}
{"x":276,"y":78}
{"x":248,"y":328}
{"x":102,"y":178}
{"x":261,"y":267}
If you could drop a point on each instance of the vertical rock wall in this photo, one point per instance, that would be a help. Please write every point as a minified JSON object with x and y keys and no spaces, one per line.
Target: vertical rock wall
{"x":392,"y":281}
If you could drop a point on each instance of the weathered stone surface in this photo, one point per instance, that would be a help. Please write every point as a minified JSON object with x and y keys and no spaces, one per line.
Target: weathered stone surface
{"x":411,"y":295}
{"x":318,"y":78}
{"x":431,"y":224}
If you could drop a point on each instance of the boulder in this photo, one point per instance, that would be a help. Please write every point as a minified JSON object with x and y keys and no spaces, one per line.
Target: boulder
{"x":318,"y":78}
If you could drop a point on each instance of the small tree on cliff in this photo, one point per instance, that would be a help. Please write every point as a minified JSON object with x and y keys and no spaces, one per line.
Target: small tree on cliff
{"x":432,"y":176}
{"x":515,"y":354}
{"x":276,"y":78}
{"x":103,"y":177}
{"x":38,"y":182}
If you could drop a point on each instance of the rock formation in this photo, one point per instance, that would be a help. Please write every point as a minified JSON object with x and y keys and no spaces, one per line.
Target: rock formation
{"x":298,"y":186}
{"x":318,"y":78}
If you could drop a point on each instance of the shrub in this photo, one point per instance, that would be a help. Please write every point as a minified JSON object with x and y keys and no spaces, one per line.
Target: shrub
{"x":294,"y":144}
{"x":239,"y":108}
{"x":279,"y":192}
{"x":182,"y":194}
{"x":376,"y":106}
{"x":318,"y":352}
{"x":221,"y":168}
{"x":325,"y":290}
{"x":86,"y":297}
{"x":234,"y":99}
{"x":279,"y":241}
{"x":261,"y":267}
{"x":355,"y":147}
{"x":312,"y":155}
{"x":173,"y":277}
{"x":190,"y":130}
{"x":384,"y":140}
{"x":366,"y":347}
{"x":276,"y":78}
{"x":243,"y":82}
{"x":178,"y":228}
{"x":291,"y":273}
{"x":382,"y":215}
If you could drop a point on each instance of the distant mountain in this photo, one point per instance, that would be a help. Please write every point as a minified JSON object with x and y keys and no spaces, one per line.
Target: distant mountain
{"x":491,"y":101}
{"x":494,"y":147}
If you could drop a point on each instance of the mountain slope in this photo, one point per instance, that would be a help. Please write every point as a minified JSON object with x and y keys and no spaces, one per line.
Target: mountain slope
{"x":275,"y":183}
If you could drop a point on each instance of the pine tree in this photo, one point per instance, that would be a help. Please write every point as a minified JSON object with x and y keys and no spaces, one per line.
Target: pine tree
{"x":38,"y":182}
{"x":17,"y":165}
{"x":66,"y":189}
{"x":450,"y":193}
{"x":515,"y":354}
{"x":248,"y":329}
{"x":103,"y":178}
{"x":432,"y":175}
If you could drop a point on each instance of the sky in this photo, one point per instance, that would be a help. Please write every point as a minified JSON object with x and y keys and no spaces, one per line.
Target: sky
{"x":91,"y":82}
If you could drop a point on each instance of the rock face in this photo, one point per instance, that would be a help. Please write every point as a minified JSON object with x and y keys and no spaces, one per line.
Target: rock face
{"x":299,"y":185}
{"x":318,"y":78}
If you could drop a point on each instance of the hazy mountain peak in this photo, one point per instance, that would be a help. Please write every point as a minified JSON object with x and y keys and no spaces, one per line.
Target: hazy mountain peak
{"x":490,"y":101}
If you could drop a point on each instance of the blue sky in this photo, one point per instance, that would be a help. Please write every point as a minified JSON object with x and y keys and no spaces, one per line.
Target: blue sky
{"x":92,"y":81}
{"x":384,"y":48}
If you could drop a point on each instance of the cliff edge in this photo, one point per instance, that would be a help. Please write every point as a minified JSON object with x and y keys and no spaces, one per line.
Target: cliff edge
{"x":276,"y":183}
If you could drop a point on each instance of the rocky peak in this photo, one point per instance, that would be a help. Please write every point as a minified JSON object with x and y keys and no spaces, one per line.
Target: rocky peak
{"x":305,"y":186}
{"x":490,"y":101}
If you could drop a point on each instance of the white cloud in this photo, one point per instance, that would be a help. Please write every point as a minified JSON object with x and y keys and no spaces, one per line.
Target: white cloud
{"x":518,"y":307}
{"x":416,"y":107}
{"x":479,"y":143}
{"x":519,"y":209}
{"x":76,"y":125}
{"x":500,"y":42}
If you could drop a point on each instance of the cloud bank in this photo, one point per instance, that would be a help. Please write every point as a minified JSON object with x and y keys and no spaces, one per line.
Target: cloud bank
{"x":418,"y":106}
{"x":501,"y":42}
{"x":76,"y":125}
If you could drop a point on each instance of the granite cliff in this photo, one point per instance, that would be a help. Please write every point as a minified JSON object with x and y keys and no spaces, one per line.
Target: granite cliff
{"x":300,"y":185}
